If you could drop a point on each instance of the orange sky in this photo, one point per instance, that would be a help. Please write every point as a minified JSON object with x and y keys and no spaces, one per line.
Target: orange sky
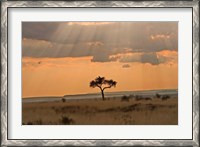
{"x":47,"y":76}
{"x":47,"y":71}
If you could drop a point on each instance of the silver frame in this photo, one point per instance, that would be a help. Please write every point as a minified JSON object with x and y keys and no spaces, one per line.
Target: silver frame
{"x":4,"y":75}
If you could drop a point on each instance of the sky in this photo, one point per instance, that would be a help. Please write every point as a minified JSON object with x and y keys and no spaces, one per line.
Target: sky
{"x":61,"y":58}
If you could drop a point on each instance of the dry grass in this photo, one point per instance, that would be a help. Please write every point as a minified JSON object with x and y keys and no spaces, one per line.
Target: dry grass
{"x":98,"y":112}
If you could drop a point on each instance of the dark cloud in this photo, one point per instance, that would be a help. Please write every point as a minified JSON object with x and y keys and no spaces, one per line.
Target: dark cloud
{"x":143,"y":58}
{"x":39,"y":30}
{"x":62,"y":39}
{"x":126,"y":66}
{"x":39,"y":49}
{"x":151,"y":58}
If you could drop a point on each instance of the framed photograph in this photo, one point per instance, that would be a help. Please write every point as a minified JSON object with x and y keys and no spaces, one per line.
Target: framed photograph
{"x":114,"y":73}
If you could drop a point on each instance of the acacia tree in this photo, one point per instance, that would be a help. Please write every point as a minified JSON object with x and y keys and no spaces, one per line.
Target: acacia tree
{"x":103,"y":84}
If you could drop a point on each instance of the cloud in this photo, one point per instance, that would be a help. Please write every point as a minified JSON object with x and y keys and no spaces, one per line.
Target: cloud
{"x":126,"y":66}
{"x":39,"y":30}
{"x":160,"y":36}
{"x":40,"y":48}
{"x":100,"y":58}
{"x":89,"y":23}
{"x":135,"y":35}
{"x":101,"y":41}
{"x":153,"y":58}
{"x":167,"y":56}
{"x":150,"y":58}
{"x":103,"y":58}
{"x":94,"y":44}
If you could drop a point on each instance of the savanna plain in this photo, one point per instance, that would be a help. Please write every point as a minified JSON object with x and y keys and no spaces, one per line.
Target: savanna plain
{"x":126,"y":110}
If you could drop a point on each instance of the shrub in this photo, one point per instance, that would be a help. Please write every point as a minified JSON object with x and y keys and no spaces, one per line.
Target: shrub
{"x":125,"y":98}
{"x":66,"y":121}
{"x":165,"y":97}
{"x":63,"y":100}
{"x":157,"y":95}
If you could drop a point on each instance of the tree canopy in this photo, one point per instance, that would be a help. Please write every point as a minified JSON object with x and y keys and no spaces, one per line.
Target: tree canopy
{"x":103,"y":84}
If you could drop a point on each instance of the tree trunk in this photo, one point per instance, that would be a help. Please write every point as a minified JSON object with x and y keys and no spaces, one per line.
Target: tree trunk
{"x":102,"y":93}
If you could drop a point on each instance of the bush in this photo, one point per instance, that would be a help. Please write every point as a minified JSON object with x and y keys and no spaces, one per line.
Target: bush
{"x":66,"y":121}
{"x":157,"y":95}
{"x":125,"y":98}
{"x":63,"y":100}
{"x":165,"y":97}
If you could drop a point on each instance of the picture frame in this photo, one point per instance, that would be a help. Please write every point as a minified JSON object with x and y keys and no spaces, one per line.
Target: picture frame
{"x":5,"y":92}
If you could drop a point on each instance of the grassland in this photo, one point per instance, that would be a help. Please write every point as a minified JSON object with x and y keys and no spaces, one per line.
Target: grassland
{"x":134,"y":111}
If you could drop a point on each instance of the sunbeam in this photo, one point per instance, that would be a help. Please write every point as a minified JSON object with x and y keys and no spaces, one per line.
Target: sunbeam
{"x":62,"y":57}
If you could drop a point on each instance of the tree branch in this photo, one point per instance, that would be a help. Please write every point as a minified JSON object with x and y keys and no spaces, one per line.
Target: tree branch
{"x":107,"y":87}
{"x":99,"y":87}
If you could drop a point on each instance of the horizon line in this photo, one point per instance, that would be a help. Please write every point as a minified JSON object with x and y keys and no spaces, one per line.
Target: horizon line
{"x":93,"y":93}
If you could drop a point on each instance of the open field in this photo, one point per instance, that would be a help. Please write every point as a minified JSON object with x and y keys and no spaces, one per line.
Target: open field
{"x":133,"y":111}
